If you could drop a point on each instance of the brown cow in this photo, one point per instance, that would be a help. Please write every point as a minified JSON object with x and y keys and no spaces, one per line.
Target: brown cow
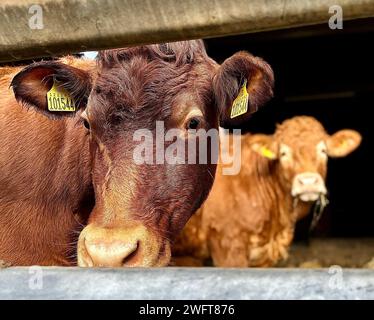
{"x":62,"y":170}
{"x":249,"y":218}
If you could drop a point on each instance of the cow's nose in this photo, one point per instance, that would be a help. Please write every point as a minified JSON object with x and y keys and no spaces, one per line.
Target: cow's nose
{"x":308,"y":179}
{"x":308,"y":186}
{"x":124,"y":246}
{"x":111,"y":253}
{"x":113,"y":247}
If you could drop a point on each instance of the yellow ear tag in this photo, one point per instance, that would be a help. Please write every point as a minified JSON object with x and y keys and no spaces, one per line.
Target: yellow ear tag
{"x":344,"y":144}
{"x":58,"y":99}
{"x":240,"y":104}
{"x":267,"y":153}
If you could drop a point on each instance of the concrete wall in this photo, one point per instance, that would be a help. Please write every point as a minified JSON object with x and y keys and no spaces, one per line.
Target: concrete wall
{"x":185,"y":283}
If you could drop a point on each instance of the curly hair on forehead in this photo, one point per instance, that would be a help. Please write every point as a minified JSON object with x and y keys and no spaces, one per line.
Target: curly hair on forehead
{"x":301,"y":126}
{"x":143,"y":82}
{"x":180,"y":53}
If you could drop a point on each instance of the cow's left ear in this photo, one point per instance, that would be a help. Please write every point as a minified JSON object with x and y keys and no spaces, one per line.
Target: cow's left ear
{"x":240,"y":77}
{"x":264,"y":145}
{"x":343,"y":143}
{"x":32,"y":84}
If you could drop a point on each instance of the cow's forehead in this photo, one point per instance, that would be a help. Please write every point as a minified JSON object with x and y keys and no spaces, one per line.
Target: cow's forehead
{"x":300,"y":131}
{"x":303,"y":139}
{"x":138,"y":86}
{"x":140,"y":90}
{"x":180,"y":53}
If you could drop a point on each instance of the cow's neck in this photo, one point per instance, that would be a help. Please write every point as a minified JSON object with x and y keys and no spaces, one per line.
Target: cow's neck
{"x":274,"y":197}
{"x":301,"y":208}
{"x":46,"y":191}
{"x":270,"y":237}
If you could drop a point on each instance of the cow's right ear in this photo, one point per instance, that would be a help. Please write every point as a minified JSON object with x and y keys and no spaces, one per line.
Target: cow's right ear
{"x":242,"y":84}
{"x":264,"y":145}
{"x":343,"y":142}
{"x":32,"y":84}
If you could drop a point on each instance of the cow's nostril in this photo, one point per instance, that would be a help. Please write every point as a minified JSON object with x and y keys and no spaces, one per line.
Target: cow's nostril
{"x":133,"y":256}
{"x":305,"y":181}
{"x":110,"y":254}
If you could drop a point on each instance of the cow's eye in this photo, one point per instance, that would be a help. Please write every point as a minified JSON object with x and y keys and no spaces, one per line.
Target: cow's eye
{"x":323,"y":153}
{"x":322,"y":149}
{"x":193,"y":123}
{"x":86,"y":124}
{"x":285,"y":152}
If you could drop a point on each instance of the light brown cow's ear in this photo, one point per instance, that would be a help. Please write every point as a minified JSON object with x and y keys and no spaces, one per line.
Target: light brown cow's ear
{"x":240,"y":76}
{"x":343,"y":143}
{"x":32,"y":84}
{"x":264,"y":145}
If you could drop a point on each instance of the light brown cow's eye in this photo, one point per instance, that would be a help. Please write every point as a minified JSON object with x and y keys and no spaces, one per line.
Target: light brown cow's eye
{"x":322,"y":149}
{"x":193,"y":123}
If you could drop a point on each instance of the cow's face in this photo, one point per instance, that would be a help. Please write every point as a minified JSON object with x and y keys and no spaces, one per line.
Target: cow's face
{"x":140,"y":207}
{"x":301,"y":147}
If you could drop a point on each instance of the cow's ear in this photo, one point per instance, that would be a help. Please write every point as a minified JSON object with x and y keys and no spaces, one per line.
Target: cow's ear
{"x":264,"y":145}
{"x":241,"y":76}
{"x":343,"y":143}
{"x":32,"y":84}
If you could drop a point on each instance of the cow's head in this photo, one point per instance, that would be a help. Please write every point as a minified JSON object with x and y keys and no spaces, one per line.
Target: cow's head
{"x":139,"y":208}
{"x":300,"y":148}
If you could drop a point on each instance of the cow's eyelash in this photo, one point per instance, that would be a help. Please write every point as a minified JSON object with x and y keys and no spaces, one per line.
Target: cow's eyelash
{"x":79,"y":122}
{"x":83,"y":122}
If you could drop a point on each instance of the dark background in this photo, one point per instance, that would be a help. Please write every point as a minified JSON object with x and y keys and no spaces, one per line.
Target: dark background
{"x":327,"y":74}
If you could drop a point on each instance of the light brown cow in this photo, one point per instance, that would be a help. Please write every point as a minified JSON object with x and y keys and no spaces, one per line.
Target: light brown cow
{"x":249,"y":218}
{"x":62,"y":170}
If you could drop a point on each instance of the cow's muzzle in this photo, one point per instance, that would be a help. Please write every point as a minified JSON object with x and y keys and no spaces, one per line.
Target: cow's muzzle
{"x":133,"y":246}
{"x":308,"y":186}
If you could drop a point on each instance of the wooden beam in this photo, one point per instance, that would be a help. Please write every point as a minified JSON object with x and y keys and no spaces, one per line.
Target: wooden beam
{"x":81,"y":25}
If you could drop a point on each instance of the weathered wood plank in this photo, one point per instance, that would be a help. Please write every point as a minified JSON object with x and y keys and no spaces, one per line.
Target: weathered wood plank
{"x":80,"y":25}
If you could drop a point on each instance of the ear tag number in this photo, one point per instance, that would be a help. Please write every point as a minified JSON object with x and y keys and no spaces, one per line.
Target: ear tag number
{"x":267,"y":153}
{"x":240,"y":104}
{"x":58,"y":99}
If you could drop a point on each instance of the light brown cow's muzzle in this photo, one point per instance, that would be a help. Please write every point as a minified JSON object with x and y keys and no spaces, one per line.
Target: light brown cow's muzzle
{"x":121,"y":247}
{"x":308,"y":186}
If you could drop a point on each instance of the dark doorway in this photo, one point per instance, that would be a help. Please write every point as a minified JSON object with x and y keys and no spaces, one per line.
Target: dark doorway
{"x":327,"y":74}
